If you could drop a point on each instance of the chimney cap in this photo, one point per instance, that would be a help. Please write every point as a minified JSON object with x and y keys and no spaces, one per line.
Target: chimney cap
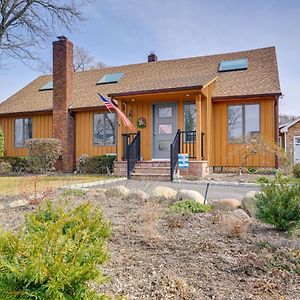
{"x":152,"y":57}
{"x":62,"y":38}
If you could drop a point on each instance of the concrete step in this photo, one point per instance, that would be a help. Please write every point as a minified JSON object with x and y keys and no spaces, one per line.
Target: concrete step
{"x":151,"y":177}
{"x":154,"y":164}
{"x":152,"y":170}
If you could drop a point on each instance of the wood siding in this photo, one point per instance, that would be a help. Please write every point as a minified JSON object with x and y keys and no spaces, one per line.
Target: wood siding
{"x":226,"y":154}
{"x":41,"y":128}
{"x":84,"y":136}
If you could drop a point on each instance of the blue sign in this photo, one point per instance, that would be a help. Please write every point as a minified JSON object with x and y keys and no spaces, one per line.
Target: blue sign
{"x":183,"y":161}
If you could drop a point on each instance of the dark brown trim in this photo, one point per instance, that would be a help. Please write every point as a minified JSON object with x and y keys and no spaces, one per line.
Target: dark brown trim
{"x":247,"y":96}
{"x":26,"y":113}
{"x":166,"y":90}
{"x":89,"y":108}
{"x":276,"y":125}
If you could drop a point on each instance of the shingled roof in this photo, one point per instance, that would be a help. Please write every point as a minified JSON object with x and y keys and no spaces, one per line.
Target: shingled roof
{"x":260,"y":78}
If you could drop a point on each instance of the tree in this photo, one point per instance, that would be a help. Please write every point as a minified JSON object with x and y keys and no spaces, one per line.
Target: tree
{"x":82,"y":61}
{"x":27,"y":24}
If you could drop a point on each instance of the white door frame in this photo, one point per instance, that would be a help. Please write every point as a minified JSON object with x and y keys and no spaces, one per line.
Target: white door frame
{"x":295,"y":137}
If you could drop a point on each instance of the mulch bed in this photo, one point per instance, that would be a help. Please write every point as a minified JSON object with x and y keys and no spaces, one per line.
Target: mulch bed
{"x":158,"y":255}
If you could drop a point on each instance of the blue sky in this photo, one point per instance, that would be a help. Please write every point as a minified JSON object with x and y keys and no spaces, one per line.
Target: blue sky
{"x":121,"y":32}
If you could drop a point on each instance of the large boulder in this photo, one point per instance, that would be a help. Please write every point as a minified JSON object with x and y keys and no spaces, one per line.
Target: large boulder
{"x":226,"y":204}
{"x":190,"y":195}
{"x":164,"y":192}
{"x":118,"y":191}
{"x":138,"y":194}
{"x":249,"y":203}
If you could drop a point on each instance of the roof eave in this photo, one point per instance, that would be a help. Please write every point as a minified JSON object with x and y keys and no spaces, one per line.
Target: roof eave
{"x":25,"y":113}
{"x":156,"y":91}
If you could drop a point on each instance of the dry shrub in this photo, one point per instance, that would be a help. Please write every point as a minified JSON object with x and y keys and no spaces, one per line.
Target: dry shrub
{"x":175,"y":220}
{"x":43,"y":154}
{"x":170,"y":287}
{"x":234,"y":226}
{"x":32,"y":192}
{"x":150,"y":217}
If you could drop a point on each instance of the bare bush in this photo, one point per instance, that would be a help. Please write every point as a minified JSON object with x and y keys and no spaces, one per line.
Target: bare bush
{"x":150,"y":218}
{"x":32,"y":191}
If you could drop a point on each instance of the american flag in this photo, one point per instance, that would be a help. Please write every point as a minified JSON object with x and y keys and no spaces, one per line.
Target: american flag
{"x":127,"y":123}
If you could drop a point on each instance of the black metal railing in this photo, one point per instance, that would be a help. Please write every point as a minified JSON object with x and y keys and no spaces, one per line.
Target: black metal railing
{"x":127,"y":139}
{"x":184,"y":142}
{"x":188,"y":142}
{"x":174,"y":150}
{"x":133,"y":153}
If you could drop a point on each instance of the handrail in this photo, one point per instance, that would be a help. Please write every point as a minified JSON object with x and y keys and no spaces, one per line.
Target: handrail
{"x":133,"y":153}
{"x":174,"y":150}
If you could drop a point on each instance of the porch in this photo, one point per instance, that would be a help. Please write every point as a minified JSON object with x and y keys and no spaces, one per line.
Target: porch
{"x":168,"y":123}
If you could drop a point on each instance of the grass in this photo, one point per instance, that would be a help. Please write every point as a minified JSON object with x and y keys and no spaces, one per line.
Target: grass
{"x":11,"y":185}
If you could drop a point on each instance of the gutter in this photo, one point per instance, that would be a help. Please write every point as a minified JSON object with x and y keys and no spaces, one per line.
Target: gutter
{"x":165,"y":90}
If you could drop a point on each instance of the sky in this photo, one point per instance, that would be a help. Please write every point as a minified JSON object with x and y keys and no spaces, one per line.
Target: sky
{"x":120,"y":32}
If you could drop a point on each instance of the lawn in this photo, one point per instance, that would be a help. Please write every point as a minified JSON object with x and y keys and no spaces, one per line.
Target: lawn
{"x":13,"y":185}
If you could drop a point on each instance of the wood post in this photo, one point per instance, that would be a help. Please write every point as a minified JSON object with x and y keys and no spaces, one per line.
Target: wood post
{"x":120,"y":131}
{"x":198,"y":126}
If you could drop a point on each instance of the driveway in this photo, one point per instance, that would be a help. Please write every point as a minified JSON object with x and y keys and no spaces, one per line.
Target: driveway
{"x":214,"y":191}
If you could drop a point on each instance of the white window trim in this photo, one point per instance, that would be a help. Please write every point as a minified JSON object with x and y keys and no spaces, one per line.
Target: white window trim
{"x":295,"y":137}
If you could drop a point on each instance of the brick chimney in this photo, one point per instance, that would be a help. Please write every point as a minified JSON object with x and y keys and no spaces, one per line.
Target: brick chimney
{"x":152,"y":57}
{"x":63,"y":120}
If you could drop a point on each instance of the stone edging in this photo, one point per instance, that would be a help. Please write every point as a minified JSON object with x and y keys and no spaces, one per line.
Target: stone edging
{"x":226,"y":183}
{"x":94,"y":183}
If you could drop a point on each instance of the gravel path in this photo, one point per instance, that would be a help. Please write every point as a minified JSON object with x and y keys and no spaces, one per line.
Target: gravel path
{"x":214,"y":191}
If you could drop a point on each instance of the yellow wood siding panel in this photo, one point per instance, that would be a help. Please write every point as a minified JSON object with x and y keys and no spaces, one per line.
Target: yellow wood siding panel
{"x":41,"y":128}
{"x":84,"y":136}
{"x":226,"y":154}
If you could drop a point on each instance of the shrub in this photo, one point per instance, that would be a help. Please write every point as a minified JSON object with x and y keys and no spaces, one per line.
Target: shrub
{"x":55,"y":256}
{"x":18,"y":164}
{"x":191,"y":206}
{"x":296,"y":170}
{"x":5,"y":168}
{"x":102,"y":164}
{"x":43,"y":154}
{"x":279,"y":203}
{"x":1,"y":143}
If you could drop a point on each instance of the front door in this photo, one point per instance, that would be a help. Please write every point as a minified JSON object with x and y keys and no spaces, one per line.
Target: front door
{"x":297,"y":149}
{"x":164,"y":128}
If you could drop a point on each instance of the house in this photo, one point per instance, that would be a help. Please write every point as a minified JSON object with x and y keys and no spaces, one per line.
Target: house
{"x":289,"y":135}
{"x":203,"y":106}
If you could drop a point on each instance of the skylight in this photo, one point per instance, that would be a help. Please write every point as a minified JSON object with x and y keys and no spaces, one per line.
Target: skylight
{"x":110,"y":78}
{"x":233,"y":65}
{"x":48,"y":86}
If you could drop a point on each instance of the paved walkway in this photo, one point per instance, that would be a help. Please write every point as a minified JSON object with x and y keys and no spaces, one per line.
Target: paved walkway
{"x":214,"y":192}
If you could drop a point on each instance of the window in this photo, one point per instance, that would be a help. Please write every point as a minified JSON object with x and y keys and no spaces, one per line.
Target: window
{"x":104,"y":129}
{"x":190,"y":121}
{"x":165,"y":112}
{"x":47,"y":87}
{"x":23,"y":131}
{"x":233,"y":65}
{"x":110,"y":78}
{"x":243,"y":121}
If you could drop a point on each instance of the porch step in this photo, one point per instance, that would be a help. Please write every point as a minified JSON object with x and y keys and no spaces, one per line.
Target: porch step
{"x":152,"y":170}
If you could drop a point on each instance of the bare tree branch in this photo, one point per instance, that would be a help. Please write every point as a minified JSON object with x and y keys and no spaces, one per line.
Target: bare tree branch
{"x":26,"y":25}
{"x":82,"y":61}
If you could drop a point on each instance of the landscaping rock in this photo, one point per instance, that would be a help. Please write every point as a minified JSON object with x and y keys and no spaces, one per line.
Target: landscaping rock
{"x":1,"y":206}
{"x":240,"y":214}
{"x":249,"y":203}
{"x":226,"y":204}
{"x":190,"y":195}
{"x":118,"y":191}
{"x":164,"y":192}
{"x":18,"y":203}
{"x":138,"y":194}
